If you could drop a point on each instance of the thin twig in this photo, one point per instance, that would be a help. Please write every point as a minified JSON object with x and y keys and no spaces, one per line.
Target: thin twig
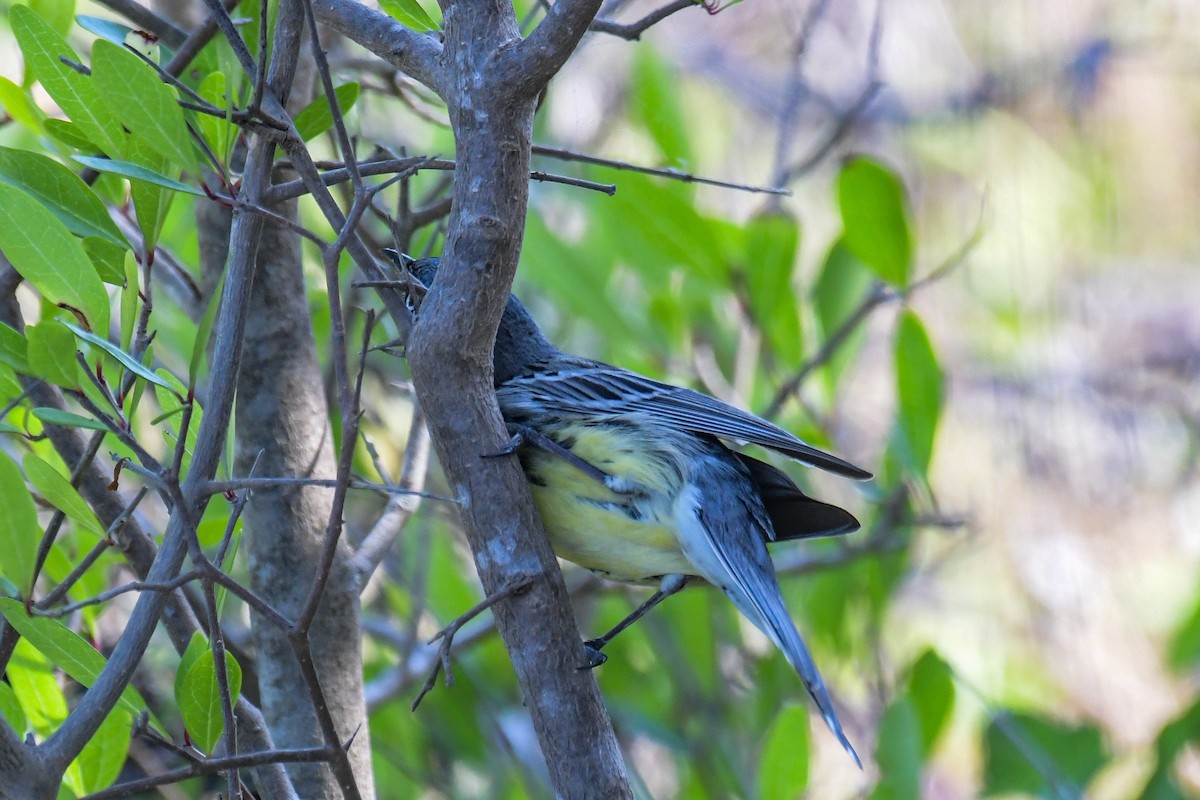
{"x":562,"y":154}
{"x":633,"y":30}
{"x":446,"y":635}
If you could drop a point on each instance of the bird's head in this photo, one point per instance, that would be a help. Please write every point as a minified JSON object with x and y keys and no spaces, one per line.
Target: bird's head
{"x":520,"y":346}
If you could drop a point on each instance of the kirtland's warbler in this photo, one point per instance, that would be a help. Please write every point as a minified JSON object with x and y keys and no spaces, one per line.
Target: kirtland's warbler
{"x":633,"y":482}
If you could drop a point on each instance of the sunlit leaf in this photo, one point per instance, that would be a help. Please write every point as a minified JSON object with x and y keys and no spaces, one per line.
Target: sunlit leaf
{"x":783,"y":767}
{"x":410,"y":14}
{"x":144,"y":104}
{"x":19,"y":529}
{"x":61,"y":191}
{"x":75,"y":94}
{"x":919,"y":391}
{"x":198,"y":695}
{"x":20,"y":106}
{"x":100,"y":762}
{"x":931,"y":689}
{"x":31,"y":675}
{"x":42,"y":249}
{"x":59,"y":492}
{"x":875,"y":218}
{"x":67,"y":650}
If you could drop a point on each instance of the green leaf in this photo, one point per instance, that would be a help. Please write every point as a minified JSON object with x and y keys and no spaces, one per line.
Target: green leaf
{"x":1024,"y":754}
{"x":67,"y":650}
{"x":1177,"y":734}
{"x":69,"y":134}
{"x":899,"y":753}
{"x":875,"y":218}
{"x":10,"y":386}
{"x":772,"y":240}
{"x":20,"y":106}
{"x":33,"y":681}
{"x":10,"y":710}
{"x":100,"y":762}
{"x":75,"y":94}
{"x":54,"y":416}
{"x":199,"y":697}
{"x":170,"y":400}
{"x":217,"y":132}
{"x":13,"y":349}
{"x":62,"y":193}
{"x":656,"y":105}
{"x":919,"y":392}
{"x":931,"y":689}
{"x":151,"y":202}
{"x":410,"y":14}
{"x":1184,"y":649}
{"x":107,"y":258}
{"x":59,"y":492}
{"x":19,"y":529}
{"x":129,"y":300}
{"x":145,"y":105}
{"x":129,"y":362}
{"x":137,"y":172}
{"x":841,"y":287}
{"x":49,"y":257}
{"x":203,"y":332}
{"x":52,"y":354}
{"x":59,"y":14}
{"x":316,"y":117}
{"x":783,"y":767}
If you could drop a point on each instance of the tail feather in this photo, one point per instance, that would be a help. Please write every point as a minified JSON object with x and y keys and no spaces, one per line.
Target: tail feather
{"x":788,"y":640}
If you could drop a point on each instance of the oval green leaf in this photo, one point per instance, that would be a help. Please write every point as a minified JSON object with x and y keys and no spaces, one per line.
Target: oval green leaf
{"x":931,"y":689}
{"x":783,"y":767}
{"x":875,"y":218}
{"x":59,"y":492}
{"x":62,"y":193}
{"x":43,"y":250}
{"x":316,"y":117}
{"x":75,"y":94}
{"x":67,"y":650}
{"x":19,"y":530}
{"x":918,"y":390}
{"x":144,"y":104}
{"x":52,"y":354}
{"x":410,"y":14}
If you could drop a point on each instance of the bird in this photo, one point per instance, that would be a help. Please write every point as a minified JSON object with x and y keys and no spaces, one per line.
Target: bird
{"x":634,"y":481}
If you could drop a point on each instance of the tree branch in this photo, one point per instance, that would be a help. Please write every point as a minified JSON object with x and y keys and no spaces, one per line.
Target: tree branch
{"x":526,"y":66}
{"x":418,"y":55}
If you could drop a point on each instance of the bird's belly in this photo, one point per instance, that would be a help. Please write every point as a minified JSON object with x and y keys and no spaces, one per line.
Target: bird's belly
{"x":626,"y":537}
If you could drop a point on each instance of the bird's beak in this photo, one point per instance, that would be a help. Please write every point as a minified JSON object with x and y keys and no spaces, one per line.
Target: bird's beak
{"x":402,"y":260}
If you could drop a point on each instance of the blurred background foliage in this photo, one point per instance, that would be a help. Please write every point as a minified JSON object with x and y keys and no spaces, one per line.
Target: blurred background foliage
{"x":980,"y":286}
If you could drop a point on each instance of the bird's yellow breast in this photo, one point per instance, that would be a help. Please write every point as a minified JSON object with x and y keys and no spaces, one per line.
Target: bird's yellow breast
{"x":627,"y":537}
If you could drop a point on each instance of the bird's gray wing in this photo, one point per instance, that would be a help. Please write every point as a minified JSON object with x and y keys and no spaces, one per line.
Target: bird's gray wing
{"x":722,"y":532}
{"x":584,"y":386}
